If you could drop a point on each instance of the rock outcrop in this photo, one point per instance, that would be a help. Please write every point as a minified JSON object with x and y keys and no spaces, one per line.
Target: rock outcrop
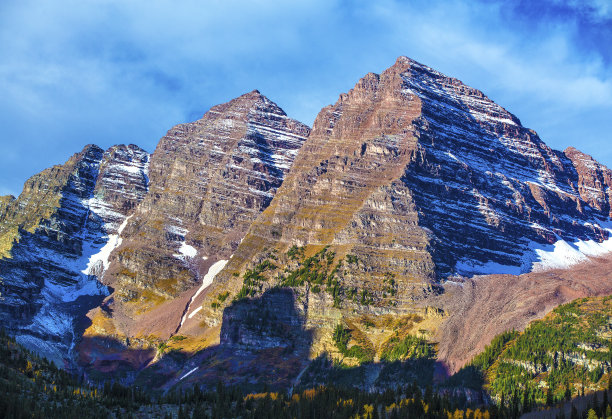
{"x":208,"y":181}
{"x":594,"y":180}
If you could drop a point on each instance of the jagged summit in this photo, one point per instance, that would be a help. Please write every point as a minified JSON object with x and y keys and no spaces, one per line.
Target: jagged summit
{"x":423,"y":177}
{"x":56,"y":237}
{"x":208,"y":180}
{"x":250,"y":102}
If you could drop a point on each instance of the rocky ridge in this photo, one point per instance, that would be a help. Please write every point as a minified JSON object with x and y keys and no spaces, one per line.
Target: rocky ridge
{"x":209,"y":180}
{"x":424,"y":177}
{"x":56,"y":237}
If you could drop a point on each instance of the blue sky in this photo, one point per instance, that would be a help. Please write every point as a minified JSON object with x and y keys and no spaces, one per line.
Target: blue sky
{"x":74,"y":72}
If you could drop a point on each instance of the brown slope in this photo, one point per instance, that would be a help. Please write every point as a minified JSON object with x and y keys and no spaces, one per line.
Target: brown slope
{"x":421,"y":177}
{"x":483,"y":307}
{"x":344,"y":180}
{"x":594,"y":180}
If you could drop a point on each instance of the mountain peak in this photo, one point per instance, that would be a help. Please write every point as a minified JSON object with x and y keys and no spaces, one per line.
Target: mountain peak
{"x":252,"y":95}
{"x":412,"y":178}
{"x":247,"y":105}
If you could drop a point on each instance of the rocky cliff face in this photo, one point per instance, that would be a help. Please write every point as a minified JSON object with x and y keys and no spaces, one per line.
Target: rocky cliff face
{"x":594,"y":180}
{"x":422,"y":177}
{"x":5,"y":201}
{"x":209,"y":180}
{"x":489,"y":188}
{"x":56,"y":237}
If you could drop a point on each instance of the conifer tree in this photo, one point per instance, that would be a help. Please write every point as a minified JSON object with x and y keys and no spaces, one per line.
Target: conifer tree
{"x":574,"y":414}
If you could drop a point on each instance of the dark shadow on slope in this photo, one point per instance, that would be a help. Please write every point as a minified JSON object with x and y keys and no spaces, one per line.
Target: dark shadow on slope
{"x":369,"y":376}
{"x":45,"y":295}
{"x":265,"y":154}
{"x":264,"y":344}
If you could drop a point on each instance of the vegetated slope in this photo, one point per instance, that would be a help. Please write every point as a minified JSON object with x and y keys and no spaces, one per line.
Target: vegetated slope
{"x":208,"y":180}
{"x":561,"y":356}
{"x":55,"y":240}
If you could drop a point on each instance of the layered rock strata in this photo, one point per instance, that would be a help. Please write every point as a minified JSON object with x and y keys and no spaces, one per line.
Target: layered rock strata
{"x":209,"y":180}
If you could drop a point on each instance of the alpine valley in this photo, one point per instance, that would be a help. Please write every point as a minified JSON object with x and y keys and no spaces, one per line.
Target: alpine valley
{"x":417,"y":236}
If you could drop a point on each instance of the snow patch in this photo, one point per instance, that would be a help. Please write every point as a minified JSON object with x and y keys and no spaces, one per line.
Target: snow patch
{"x":467,"y":267}
{"x":542,"y":257}
{"x":187,"y":250}
{"x":208,"y":279}
{"x":210,"y":275}
{"x":102,"y":256}
{"x":563,"y":254}
{"x":113,"y":242}
{"x":189,"y":373}
{"x":66,"y":294}
{"x":179,"y":231}
{"x":193,"y":313}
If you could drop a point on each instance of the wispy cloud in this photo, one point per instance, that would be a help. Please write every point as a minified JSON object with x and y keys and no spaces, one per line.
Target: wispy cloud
{"x":109,"y":71}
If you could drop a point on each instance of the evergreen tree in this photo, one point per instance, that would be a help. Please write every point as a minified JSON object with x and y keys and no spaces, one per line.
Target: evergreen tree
{"x":595,"y":404}
{"x":549,"y":397}
{"x":574,"y":414}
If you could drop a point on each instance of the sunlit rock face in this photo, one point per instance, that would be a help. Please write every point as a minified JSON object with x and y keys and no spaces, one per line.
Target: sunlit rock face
{"x":209,"y":180}
{"x":146,"y":225}
{"x":56,"y":238}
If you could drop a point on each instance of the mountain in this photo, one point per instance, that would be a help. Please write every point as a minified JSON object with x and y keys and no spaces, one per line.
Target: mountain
{"x":248,"y":245}
{"x":56,"y":238}
{"x":409,"y":181}
{"x":423,"y":177}
{"x":208,"y":181}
